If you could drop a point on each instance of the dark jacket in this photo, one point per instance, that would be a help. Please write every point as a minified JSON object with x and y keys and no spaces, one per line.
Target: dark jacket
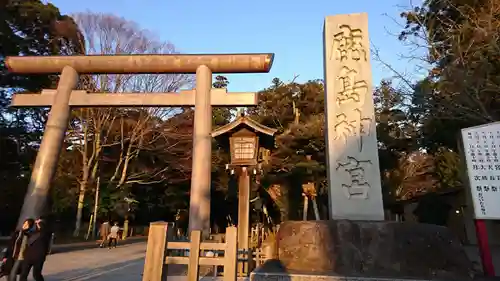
{"x":37,"y":248}
{"x":38,"y":245}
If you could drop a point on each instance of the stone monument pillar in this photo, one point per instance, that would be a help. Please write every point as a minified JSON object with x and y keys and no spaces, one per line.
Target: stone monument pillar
{"x":355,"y":191}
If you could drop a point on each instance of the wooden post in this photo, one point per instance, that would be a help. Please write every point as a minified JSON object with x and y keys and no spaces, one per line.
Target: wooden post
{"x":231,"y":254}
{"x":315,"y":207}
{"x":243,"y":216}
{"x":194,"y":255}
{"x":306,"y":207}
{"x":154,"y":266}
{"x":484,"y":248}
{"x":258,"y":254}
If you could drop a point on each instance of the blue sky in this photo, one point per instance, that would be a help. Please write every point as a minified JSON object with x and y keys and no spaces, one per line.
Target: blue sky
{"x":290,"y":29}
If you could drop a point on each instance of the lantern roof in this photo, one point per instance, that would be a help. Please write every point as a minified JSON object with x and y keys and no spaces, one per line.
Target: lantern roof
{"x":244,"y":122}
{"x":266,"y":134}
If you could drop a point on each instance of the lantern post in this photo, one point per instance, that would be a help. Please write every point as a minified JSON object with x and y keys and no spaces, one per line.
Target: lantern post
{"x":244,"y":137}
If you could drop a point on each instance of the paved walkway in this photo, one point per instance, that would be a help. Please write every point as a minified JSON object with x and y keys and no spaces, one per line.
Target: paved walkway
{"x":126,"y":263}
{"x":62,"y":248}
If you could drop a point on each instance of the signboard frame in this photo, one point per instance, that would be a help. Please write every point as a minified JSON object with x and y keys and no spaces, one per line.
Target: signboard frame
{"x":481,"y":155}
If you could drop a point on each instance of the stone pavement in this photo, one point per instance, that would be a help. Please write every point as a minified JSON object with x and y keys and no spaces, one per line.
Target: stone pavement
{"x":124,"y":263}
{"x":62,"y":248}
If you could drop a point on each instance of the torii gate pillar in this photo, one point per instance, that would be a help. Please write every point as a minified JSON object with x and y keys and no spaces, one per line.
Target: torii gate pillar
{"x":199,"y":198}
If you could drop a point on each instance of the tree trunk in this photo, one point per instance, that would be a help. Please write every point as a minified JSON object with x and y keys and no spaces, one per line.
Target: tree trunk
{"x":316,"y":211}
{"x":125,"y":228}
{"x":96,"y":206}
{"x":89,"y":229}
{"x":84,"y":181}
{"x":79,"y":210}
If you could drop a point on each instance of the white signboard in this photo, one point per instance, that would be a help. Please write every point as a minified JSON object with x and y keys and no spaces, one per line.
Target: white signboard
{"x":482,"y":149}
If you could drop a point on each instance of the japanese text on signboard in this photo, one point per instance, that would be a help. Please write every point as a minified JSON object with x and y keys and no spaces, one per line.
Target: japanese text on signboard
{"x":481,"y":147}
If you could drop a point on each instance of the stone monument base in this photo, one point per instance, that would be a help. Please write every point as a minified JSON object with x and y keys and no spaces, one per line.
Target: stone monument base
{"x":260,"y":276}
{"x":365,"y":250}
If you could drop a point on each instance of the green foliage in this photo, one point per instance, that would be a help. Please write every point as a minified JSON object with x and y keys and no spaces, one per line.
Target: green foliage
{"x":462,"y":39}
{"x":26,"y":28}
{"x":276,"y":103}
{"x":396,"y":128}
{"x":448,"y":168}
{"x":33,"y":28}
{"x":221,"y":115}
{"x":461,"y":88}
{"x":221,"y":82}
{"x":65,"y":187}
{"x":297,"y":111}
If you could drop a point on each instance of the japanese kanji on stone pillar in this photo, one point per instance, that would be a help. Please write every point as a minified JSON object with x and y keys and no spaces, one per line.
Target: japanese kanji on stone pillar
{"x":352,"y":153}
{"x":203,"y":98}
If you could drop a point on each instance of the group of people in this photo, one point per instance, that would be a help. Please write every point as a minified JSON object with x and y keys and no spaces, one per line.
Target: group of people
{"x":28,"y":250}
{"x":109,"y":234}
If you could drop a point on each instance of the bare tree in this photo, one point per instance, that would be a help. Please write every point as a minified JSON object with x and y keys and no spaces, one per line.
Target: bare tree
{"x":108,"y":34}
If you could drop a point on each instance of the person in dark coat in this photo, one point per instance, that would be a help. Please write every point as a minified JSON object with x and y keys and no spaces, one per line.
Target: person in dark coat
{"x":16,"y":247}
{"x":36,"y":250}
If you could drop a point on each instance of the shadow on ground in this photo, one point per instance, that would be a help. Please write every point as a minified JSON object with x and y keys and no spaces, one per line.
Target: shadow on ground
{"x":128,"y":268}
{"x":64,"y":248}
{"x":121,"y":270}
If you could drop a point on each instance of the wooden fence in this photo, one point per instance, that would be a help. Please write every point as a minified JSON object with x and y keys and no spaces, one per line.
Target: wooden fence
{"x":158,"y":258}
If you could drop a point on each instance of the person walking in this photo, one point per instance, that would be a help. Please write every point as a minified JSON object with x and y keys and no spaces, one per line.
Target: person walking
{"x":113,"y":236}
{"x":37,"y":248}
{"x":28,"y":250}
{"x":104,"y":231}
{"x":16,"y":249}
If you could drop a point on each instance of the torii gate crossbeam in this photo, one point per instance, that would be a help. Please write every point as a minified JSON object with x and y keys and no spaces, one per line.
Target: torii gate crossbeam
{"x":218,"y":97}
{"x":64,"y":97}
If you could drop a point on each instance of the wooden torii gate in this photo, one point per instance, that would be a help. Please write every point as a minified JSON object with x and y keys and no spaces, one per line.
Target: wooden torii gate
{"x":62,"y":99}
